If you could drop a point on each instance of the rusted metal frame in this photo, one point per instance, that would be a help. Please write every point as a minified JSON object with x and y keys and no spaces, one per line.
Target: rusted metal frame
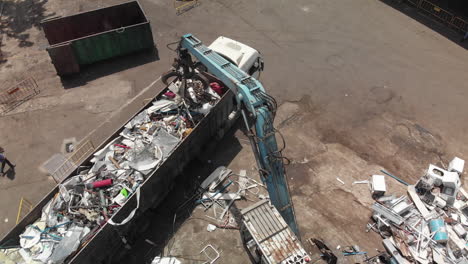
{"x":17,"y":94}
{"x":29,"y":206}
{"x":459,"y":24}
{"x":72,"y":162}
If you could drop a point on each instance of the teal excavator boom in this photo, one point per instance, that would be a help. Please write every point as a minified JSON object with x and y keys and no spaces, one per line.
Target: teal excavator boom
{"x":261,"y":108}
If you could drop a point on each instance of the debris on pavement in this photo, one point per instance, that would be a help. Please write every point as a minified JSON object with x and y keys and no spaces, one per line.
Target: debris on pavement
{"x":210,"y":253}
{"x":327,"y":254}
{"x":341,"y":181}
{"x":217,"y":195}
{"x":378,"y":186}
{"x":361,"y":182}
{"x":430,"y":225}
{"x":215,"y":178}
{"x":88,"y":200}
{"x":210,"y":228}
{"x":394,"y":177}
{"x":352,"y":251}
{"x":165,"y":260}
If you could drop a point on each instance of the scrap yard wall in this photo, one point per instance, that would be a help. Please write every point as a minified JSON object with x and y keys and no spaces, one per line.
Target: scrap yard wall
{"x":152,"y":191}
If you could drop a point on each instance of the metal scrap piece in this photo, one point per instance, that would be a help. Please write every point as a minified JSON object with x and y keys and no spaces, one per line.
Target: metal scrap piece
{"x":387,"y":213}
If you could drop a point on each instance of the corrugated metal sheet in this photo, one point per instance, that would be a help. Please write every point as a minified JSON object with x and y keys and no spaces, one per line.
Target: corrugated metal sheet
{"x":153,"y":190}
{"x":275,"y":239}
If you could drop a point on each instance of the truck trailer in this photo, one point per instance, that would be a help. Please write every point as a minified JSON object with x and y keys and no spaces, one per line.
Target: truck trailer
{"x":142,"y":192}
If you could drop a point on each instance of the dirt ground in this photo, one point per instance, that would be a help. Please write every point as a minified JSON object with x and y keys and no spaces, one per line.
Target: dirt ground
{"x":362,"y":86}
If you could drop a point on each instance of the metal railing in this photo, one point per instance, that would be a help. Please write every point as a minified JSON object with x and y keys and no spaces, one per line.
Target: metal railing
{"x":82,"y":151}
{"x":436,"y":11}
{"x":441,"y":14}
{"x":71,"y":163}
{"x":24,"y":208}
{"x":414,"y":2}
{"x":460,"y":24}
{"x":17,"y":94}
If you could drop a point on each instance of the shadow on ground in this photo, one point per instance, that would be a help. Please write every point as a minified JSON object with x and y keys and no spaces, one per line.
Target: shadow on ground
{"x":19,"y":16}
{"x":428,"y":21}
{"x":157,"y":226}
{"x":10,"y":174}
{"x":109,"y":67}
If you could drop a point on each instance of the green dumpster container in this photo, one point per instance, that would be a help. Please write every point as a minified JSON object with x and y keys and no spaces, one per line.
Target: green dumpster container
{"x":97,"y":35}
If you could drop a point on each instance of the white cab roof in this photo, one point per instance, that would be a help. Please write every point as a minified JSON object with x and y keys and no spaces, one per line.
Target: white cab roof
{"x":241,"y":54}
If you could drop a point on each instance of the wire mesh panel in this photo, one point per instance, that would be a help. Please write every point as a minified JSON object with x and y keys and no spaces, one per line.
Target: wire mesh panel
{"x":17,"y":94}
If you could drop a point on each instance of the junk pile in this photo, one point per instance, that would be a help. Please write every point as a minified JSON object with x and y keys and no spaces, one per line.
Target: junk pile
{"x":216,"y":195}
{"x":431,"y":228}
{"x":89,"y":199}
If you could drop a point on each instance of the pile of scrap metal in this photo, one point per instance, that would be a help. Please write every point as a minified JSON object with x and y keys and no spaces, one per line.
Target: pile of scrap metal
{"x":88,"y":200}
{"x":431,"y":228}
{"x":216,"y":195}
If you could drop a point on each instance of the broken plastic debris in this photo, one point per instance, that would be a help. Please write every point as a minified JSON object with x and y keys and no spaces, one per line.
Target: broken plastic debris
{"x":205,"y":109}
{"x":210,"y":228}
{"x":165,"y":260}
{"x":431,"y":229}
{"x":30,"y":237}
{"x":217,"y":88}
{"x":138,"y":120}
{"x":456,"y":165}
{"x":378,"y":185}
{"x":161,"y":105}
{"x":215,"y":178}
{"x":121,"y":197}
{"x":165,"y":141}
{"x":46,"y":251}
{"x":360,"y":182}
{"x":68,"y":244}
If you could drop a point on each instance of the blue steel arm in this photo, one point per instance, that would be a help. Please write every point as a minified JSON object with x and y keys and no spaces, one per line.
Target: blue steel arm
{"x":248,"y":93}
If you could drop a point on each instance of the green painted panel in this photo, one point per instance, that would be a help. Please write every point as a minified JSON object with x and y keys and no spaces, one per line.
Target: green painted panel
{"x":112,"y":44}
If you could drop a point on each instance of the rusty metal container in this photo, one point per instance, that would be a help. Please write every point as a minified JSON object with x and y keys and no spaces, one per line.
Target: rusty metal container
{"x":96,"y":35}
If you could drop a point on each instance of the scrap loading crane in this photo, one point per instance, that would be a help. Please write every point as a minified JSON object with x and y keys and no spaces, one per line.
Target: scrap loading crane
{"x":254,"y":104}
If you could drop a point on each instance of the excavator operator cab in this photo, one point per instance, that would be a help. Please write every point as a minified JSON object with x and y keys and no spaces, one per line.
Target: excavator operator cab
{"x":244,"y":57}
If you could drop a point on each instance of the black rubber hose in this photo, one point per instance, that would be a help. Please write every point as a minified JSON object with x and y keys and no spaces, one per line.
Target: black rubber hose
{"x":172,"y":73}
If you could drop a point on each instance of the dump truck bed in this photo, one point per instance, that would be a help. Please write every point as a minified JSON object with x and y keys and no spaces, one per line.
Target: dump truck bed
{"x":152,"y":191}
